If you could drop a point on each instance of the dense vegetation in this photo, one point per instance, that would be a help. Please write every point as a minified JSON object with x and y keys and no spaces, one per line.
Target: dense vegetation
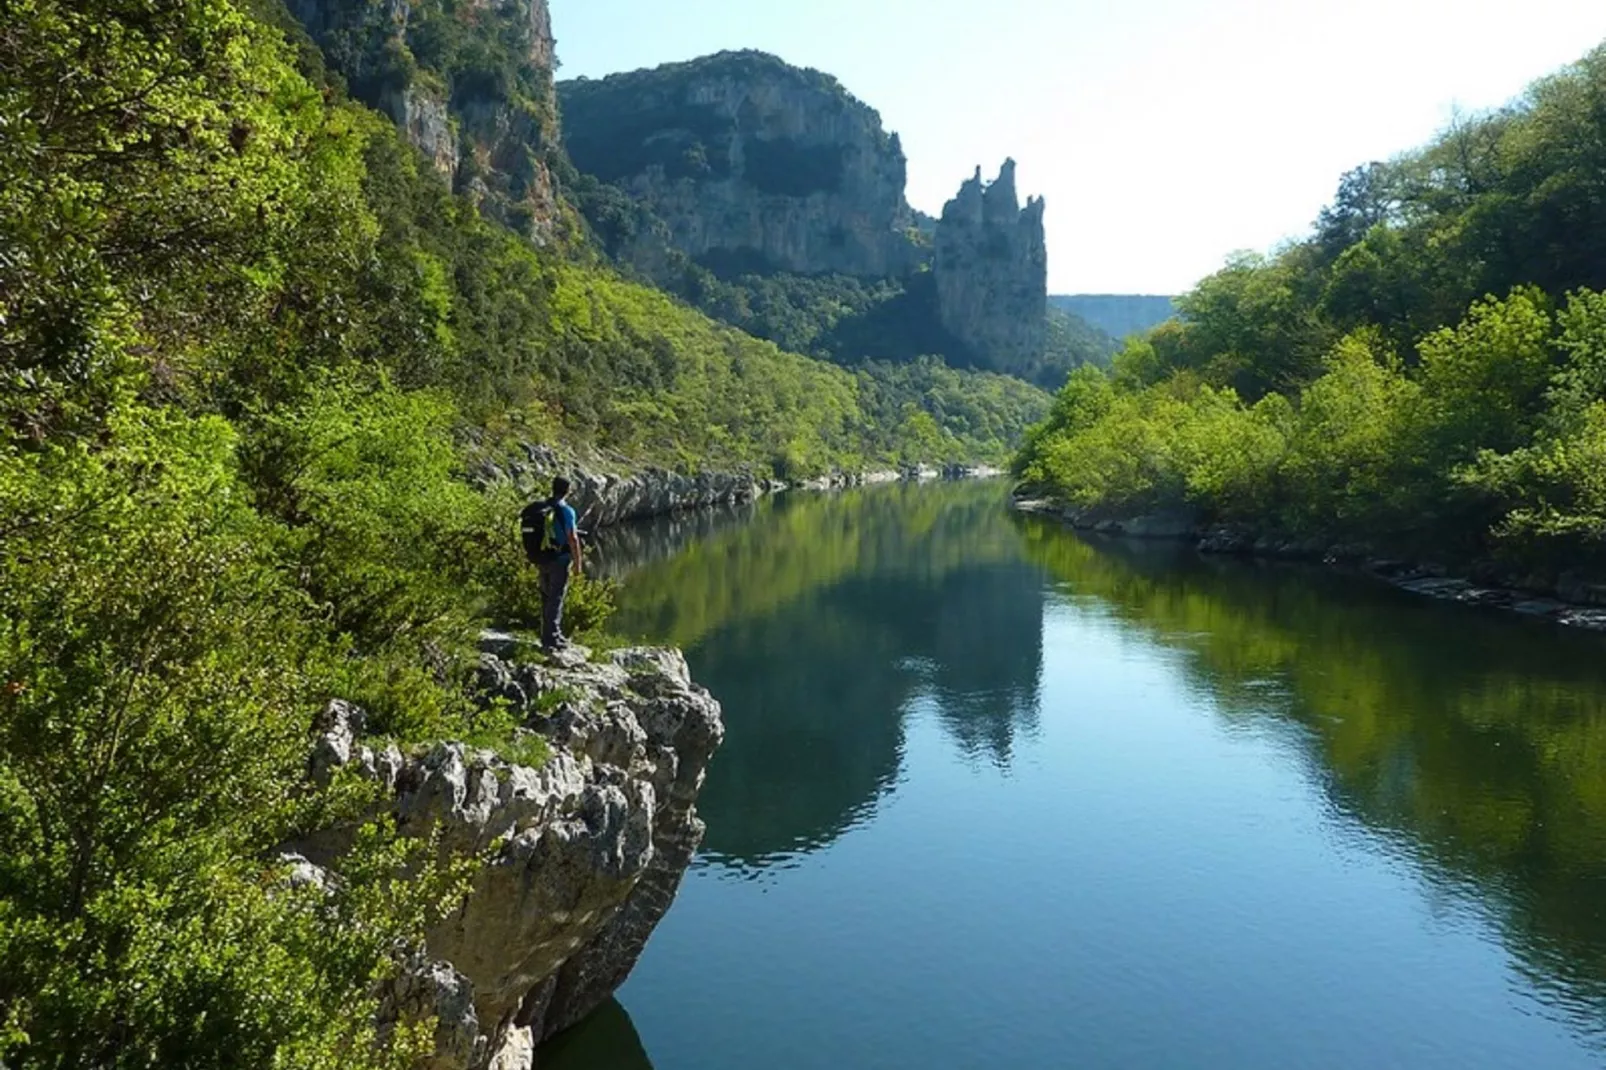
{"x":246,"y":338}
{"x":849,"y":321}
{"x":1427,"y":370}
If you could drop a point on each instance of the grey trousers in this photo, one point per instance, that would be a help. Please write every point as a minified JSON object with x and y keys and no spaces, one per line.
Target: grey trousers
{"x":554,"y":585}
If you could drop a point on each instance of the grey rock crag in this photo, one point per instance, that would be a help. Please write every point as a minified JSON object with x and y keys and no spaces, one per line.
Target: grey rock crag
{"x":743,"y":156}
{"x":746,"y":165}
{"x":585,"y":854}
{"x":991,"y":270}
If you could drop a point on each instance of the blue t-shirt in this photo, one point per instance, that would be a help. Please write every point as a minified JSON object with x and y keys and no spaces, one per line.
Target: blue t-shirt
{"x":563,"y":523}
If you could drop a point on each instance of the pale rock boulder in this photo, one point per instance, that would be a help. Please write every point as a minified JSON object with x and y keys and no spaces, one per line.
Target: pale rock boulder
{"x":583,"y":855}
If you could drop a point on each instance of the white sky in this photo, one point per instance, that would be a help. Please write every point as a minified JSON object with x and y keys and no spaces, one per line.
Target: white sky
{"x":1165,"y":133}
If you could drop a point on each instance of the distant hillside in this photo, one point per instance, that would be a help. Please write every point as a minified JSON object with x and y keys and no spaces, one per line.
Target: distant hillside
{"x":771,"y":198}
{"x":1117,"y":315}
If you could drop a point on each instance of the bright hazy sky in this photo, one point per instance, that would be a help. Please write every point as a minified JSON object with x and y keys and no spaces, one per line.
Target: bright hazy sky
{"x":1165,"y":133}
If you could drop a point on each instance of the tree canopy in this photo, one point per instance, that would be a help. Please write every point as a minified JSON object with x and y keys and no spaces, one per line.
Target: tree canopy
{"x":1423,"y":369}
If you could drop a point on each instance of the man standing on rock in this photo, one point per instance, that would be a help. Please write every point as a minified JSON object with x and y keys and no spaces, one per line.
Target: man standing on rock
{"x":552,"y":542}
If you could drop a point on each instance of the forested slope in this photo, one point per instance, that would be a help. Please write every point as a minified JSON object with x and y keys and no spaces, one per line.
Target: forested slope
{"x":1427,"y":370}
{"x":245,"y":334}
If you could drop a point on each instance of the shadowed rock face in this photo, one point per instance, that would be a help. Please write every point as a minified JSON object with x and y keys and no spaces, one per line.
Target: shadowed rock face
{"x":587,"y":852}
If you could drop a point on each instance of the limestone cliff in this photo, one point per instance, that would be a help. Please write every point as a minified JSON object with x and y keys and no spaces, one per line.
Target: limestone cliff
{"x":991,"y":270}
{"x":773,"y":199}
{"x":743,"y":157}
{"x":583,"y":856}
{"x":470,"y":84}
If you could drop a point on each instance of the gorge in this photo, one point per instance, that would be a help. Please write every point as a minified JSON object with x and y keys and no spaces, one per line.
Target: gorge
{"x":302,"y":302}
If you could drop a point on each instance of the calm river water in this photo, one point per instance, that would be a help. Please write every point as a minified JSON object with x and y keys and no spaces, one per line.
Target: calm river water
{"x":996,"y":795}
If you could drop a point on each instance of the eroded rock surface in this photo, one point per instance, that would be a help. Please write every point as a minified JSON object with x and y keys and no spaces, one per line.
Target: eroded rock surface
{"x":493,"y":135}
{"x":582,"y":856}
{"x":742,"y":156}
{"x":991,"y":270}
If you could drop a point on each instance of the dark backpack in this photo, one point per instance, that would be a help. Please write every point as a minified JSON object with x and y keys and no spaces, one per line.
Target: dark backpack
{"x":538,"y":529}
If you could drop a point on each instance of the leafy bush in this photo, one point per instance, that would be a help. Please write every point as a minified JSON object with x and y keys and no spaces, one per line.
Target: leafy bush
{"x":1493,"y":441}
{"x":1418,"y":408}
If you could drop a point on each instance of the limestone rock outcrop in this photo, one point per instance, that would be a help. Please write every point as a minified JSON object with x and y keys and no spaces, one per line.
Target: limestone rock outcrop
{"x":991,"y":271}
{"x":745,"y":158}
{"x":611,"y":491}
{"x":741,"y":165}
{"x":492,"y":134}
{"x":585,"y":853}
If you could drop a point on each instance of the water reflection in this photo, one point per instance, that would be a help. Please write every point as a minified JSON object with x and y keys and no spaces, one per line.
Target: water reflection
{"x":814,"y":696}
{"x":1471,"y":745}
{"x":605,"y":1041}
{"x":816,"y":623}
{"x":1475,"y":742}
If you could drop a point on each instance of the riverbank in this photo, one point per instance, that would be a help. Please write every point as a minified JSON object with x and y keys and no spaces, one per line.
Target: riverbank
{"x":1572,"y":601}
{"x":610,"y":490}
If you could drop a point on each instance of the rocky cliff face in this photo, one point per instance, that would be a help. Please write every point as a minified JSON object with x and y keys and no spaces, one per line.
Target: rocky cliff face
{"x":486,"y":118}
{"x":991,"y":270}
{"x":746,"y":159}
{"x":585,"y":854}
{"x":750,"y":167}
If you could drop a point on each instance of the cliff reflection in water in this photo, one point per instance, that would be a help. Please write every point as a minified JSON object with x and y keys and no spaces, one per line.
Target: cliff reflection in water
{"x":1472,"y":745}
{"x":816,"y":620}
{"x":1474,"y":742}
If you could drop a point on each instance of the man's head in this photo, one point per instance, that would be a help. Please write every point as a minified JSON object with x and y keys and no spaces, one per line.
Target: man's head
{"x":560,"y":488}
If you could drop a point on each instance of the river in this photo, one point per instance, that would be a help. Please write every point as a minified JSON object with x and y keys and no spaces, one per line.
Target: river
{"x":994,"y":794}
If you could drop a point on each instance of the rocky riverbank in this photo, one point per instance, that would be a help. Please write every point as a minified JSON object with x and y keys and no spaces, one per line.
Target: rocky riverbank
{"x":1572,"y":599}
{"x":610,"y":490}
{"x":580,"y":858}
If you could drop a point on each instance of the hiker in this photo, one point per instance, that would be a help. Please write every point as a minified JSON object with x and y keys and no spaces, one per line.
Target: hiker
{"x":552,"y":543}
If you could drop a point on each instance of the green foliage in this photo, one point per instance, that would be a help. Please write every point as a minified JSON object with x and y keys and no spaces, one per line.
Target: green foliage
{"x":1350,"y":464}
{"x":1419,"y":409}
{"x":1485,"y":379}
{"x":1249,"y":327}
{"x":969,"y":416}
{"x":1493,"y":442}
{"x":244,"y":336}
{"x":159,"y":677}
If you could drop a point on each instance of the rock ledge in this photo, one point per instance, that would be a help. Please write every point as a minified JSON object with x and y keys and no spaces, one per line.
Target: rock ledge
{"x":583,"y":856}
